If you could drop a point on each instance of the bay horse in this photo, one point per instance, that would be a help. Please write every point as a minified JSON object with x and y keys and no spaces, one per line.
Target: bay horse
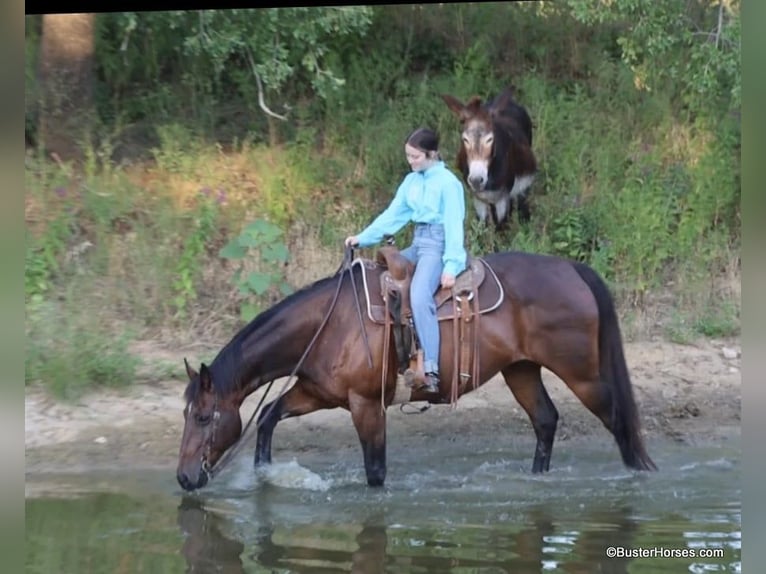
{"x":495,"y":155}
{"x":555,"y":313}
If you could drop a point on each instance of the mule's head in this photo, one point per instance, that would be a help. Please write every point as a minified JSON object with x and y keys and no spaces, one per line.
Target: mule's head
{"x":212,"y":424}
{"x":477,"y":140}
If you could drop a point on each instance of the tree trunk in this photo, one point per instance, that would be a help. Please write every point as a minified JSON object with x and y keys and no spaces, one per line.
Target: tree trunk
{"x":66,"y":83}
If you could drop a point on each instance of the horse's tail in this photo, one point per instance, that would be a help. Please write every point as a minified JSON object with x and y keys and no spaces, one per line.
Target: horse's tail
{"x":614,"y":371}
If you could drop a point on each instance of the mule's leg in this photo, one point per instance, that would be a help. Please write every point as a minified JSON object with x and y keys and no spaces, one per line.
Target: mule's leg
{"x":370,"y":422}
{"x":293,"y":403}
{"x":523,"y":208}
{"x":526,"y":384}
{"x":521,"y":184}
{"x":483,"y":210}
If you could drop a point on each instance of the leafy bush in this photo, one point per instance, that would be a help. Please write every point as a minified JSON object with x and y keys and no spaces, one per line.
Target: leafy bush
{"x":261,"y":240}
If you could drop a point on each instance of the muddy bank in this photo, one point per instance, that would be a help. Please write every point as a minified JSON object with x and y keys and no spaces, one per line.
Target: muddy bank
{"x":685,"y":392}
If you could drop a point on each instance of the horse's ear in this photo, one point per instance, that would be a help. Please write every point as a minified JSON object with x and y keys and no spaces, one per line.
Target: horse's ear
{"x":189,"y":371}
{"x":205,"y":380}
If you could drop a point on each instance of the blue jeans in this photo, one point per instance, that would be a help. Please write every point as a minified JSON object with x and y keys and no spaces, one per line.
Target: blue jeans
{"x":426,"y":252}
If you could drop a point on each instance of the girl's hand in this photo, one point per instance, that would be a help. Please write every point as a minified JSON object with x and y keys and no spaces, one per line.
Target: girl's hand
{"x":448,"y":281}
{"x":351,"y":241}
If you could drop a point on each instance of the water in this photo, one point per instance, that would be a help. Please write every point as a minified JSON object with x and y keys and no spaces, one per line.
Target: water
{"x":451,"y":508}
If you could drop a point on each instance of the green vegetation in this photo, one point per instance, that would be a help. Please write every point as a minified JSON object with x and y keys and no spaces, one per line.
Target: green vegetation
{"x":261,"y":242}
{"x":194,"y":208}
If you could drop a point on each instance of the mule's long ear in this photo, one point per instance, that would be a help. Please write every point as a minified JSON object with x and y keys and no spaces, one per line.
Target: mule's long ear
{"x":454,"y":104}
{"x":189,"y":371}
{"x":205,"y":380}
{"x":503,"y":100}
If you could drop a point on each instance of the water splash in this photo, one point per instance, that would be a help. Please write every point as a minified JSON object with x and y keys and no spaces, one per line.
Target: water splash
{"x":292,"y":475}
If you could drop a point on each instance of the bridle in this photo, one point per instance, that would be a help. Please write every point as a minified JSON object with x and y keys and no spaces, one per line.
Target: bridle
{"x":212,"y":471}
{"x":215,"y":417}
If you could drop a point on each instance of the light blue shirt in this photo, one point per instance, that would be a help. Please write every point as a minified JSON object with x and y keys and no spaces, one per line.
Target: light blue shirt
{"x":431,"y":196}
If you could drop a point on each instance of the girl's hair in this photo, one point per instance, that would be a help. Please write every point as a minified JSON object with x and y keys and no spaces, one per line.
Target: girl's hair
{"x":424,"y":139}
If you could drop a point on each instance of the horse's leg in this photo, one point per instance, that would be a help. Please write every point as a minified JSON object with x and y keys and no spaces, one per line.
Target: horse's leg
{"x":293,"y":403}
{"x":526,"y":384}
{"x":595,"y":394}
{"x":370,"y":422}
{"x":599,"y":397}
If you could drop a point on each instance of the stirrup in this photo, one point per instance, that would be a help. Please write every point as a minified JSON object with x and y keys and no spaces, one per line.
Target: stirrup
{"x":430,"y":384}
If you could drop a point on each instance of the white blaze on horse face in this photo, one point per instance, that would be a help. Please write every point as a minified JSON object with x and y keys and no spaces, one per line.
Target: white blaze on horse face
{"x":477,"y":141}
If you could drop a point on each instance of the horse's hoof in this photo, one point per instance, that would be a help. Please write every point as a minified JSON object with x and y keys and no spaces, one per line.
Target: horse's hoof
{"x":413,"y":379}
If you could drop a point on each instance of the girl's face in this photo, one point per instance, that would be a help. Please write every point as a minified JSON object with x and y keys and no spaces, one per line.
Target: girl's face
{"x":418,"y":159}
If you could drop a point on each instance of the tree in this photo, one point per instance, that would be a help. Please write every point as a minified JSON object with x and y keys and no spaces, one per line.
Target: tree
{"x":259,"y":51}
{"x":694,"y":45}
{"x":66,"y":82}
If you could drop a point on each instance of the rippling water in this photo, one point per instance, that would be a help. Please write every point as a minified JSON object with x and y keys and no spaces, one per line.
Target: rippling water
{"x":467,"y":510}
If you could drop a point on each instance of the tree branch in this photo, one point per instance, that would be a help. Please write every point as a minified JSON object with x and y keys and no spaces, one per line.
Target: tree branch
{"x":261,"y":101}
{"x":720,"y":23}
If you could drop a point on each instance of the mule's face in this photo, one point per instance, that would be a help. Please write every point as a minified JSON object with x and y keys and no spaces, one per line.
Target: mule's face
{"x":478,"y":143}
{"x":478,"y":140}
{"x":212,"y":424}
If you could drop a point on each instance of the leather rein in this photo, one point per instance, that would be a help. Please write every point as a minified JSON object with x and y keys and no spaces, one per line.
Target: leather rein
{"x":229,"y":455}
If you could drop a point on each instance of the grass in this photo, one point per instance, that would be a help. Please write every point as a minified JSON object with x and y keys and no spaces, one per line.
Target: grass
{"x":72,"y":353}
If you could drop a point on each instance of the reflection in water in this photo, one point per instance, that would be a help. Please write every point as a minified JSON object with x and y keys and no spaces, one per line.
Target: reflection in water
{"x":476,"y":518}
{"x":473,"y":517}
{"x":534,"y":542}
{"x":205,"y":548}
{"x":611,"y":527}
{"x":367,"y":558}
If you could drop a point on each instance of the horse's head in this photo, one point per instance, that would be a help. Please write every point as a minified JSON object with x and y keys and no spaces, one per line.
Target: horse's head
{"x":478,"y":139}
{"x":212,"y":424}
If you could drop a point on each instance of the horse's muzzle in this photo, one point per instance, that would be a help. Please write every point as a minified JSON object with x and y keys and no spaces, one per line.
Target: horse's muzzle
{"x":187,"y":484}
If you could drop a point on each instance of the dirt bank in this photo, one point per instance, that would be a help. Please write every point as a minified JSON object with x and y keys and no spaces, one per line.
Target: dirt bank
{"x":685,"y":392}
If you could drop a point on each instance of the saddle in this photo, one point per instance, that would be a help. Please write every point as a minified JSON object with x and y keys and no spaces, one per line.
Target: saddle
{"x":389,"y":305}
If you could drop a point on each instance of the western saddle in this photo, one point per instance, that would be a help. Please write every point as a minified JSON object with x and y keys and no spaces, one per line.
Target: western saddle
{"x":390,"y":306}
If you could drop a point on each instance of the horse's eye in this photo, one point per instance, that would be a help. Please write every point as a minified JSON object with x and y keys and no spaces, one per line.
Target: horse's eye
{"x":202,"y":420}
{"x":489,"y":140}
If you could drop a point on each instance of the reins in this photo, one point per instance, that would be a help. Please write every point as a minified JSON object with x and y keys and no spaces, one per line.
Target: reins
{"x":234,"y":450}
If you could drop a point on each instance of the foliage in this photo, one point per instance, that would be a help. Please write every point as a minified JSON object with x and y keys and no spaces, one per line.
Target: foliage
{"x":694,"y":46}
{"x":52,"y":226}
{"x":190,"y":261}
{"x":572,"y":235}
{"x":211,"y":53}
{"x":631,"y":103}
{"x":71,"y":353}
{"x":262,"y":240}
{"x":43,"y":255}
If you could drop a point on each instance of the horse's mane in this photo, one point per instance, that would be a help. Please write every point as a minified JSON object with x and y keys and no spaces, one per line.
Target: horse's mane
{"x":224,"y":367}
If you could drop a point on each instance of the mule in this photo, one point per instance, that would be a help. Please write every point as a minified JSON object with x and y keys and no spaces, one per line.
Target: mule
{"x":495,"y":155}
{"x":554,"y":313}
